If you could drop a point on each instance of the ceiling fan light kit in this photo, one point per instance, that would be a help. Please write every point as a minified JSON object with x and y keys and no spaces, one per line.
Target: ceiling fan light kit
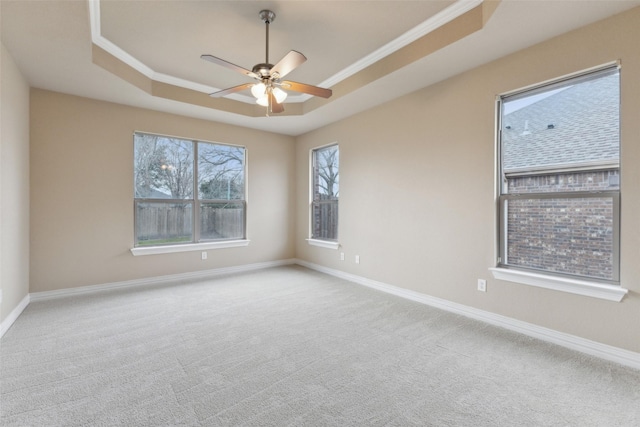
{"x":258,"y":90}
{"x":268,"y":91}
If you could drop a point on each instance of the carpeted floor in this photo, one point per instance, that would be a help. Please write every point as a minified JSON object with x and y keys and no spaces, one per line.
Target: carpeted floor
{"x":291,"y":347}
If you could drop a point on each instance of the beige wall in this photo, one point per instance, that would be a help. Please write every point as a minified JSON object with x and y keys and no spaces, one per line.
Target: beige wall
{"x":14,"y":185}
{"x":417,"y":188}
{"x":82,"y":193}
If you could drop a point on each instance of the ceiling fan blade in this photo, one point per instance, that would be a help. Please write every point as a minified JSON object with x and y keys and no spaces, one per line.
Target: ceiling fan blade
{"x":231,"y":90}
{"x":273,"y":104}
{"x":305,"y":88}
{"x":287,"y":64}
{"x":230,"y":66}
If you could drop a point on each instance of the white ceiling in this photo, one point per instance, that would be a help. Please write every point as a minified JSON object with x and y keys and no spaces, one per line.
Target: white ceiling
{"x":51,"y":41}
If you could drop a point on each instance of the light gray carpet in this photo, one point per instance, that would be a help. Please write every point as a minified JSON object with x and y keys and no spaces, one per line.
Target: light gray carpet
{"x":291,"y":347}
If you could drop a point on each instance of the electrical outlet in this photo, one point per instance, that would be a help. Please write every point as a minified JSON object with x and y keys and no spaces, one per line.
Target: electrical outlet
{"x":341,"y":256}
{"x":357,"y":259}
{"x":204,"y":256}
{"x":482,"y":285}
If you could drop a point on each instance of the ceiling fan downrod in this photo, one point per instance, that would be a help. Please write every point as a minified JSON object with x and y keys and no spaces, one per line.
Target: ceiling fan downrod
{"x":267,"y":17}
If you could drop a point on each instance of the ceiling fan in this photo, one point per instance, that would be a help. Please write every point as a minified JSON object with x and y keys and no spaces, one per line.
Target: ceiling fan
{"x":268,"y":91}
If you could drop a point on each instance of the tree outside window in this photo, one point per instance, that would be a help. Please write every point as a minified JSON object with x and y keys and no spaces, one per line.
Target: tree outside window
{"x":168,"y":172}
{"x":325,"y":189}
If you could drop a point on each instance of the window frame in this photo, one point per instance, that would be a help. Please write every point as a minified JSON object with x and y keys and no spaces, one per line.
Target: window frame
{"x":316,"y":240}
{"x":197,"y":242}
{"x":590,"y":286}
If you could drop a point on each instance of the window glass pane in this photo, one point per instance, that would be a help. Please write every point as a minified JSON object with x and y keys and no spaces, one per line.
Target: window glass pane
{"x":572,"y":126}
{"x":220,"y":172}
{"x":326,"y":188}
{"x":563,"y":235}
{"x":163,"y":167}
{"x":163,"y":223}
{"x":326,"y":176}
{"x":221,"y":221}
{"x":167,"y":176}
{"x":562,"y":138}
{"x":324,"y":217}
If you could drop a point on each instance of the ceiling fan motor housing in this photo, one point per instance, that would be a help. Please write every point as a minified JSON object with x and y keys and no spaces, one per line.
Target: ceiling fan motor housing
{"x":262,"y":69}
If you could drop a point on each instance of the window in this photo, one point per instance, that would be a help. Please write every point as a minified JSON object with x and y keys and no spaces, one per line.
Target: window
{"x":559,"y":159}
{"x":325,"y":189}
{"x":187,"y":191}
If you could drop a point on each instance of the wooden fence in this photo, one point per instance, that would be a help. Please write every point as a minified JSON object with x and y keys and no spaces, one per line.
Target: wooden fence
{"x":171,"y":222}
{"x":221,"y":223}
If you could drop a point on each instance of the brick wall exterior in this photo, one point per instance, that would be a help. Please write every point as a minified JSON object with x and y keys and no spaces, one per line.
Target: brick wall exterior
{"x":568,"y":235}
{"x":565,"y":182}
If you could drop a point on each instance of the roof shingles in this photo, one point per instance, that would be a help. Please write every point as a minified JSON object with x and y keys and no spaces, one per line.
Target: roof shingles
{"x":575,"y":125}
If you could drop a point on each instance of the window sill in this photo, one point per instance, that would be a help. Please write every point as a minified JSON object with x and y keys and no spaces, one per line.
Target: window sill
{"x":154,"y":250}
{"x":323,"y":243}
{"x":574,"y":286}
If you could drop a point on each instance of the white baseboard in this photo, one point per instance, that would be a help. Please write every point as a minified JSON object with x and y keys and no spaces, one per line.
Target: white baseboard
{"x":15,"y":313}
{"x":593,"y":348}
{"x":60,"y":293}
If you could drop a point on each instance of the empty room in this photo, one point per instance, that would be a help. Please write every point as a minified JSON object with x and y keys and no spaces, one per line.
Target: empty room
{"x":320,"y":213}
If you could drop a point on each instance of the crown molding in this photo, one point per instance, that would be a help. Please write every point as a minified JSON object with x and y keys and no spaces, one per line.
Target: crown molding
{"x":436,"y":21}
{"x":448,"y":14}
